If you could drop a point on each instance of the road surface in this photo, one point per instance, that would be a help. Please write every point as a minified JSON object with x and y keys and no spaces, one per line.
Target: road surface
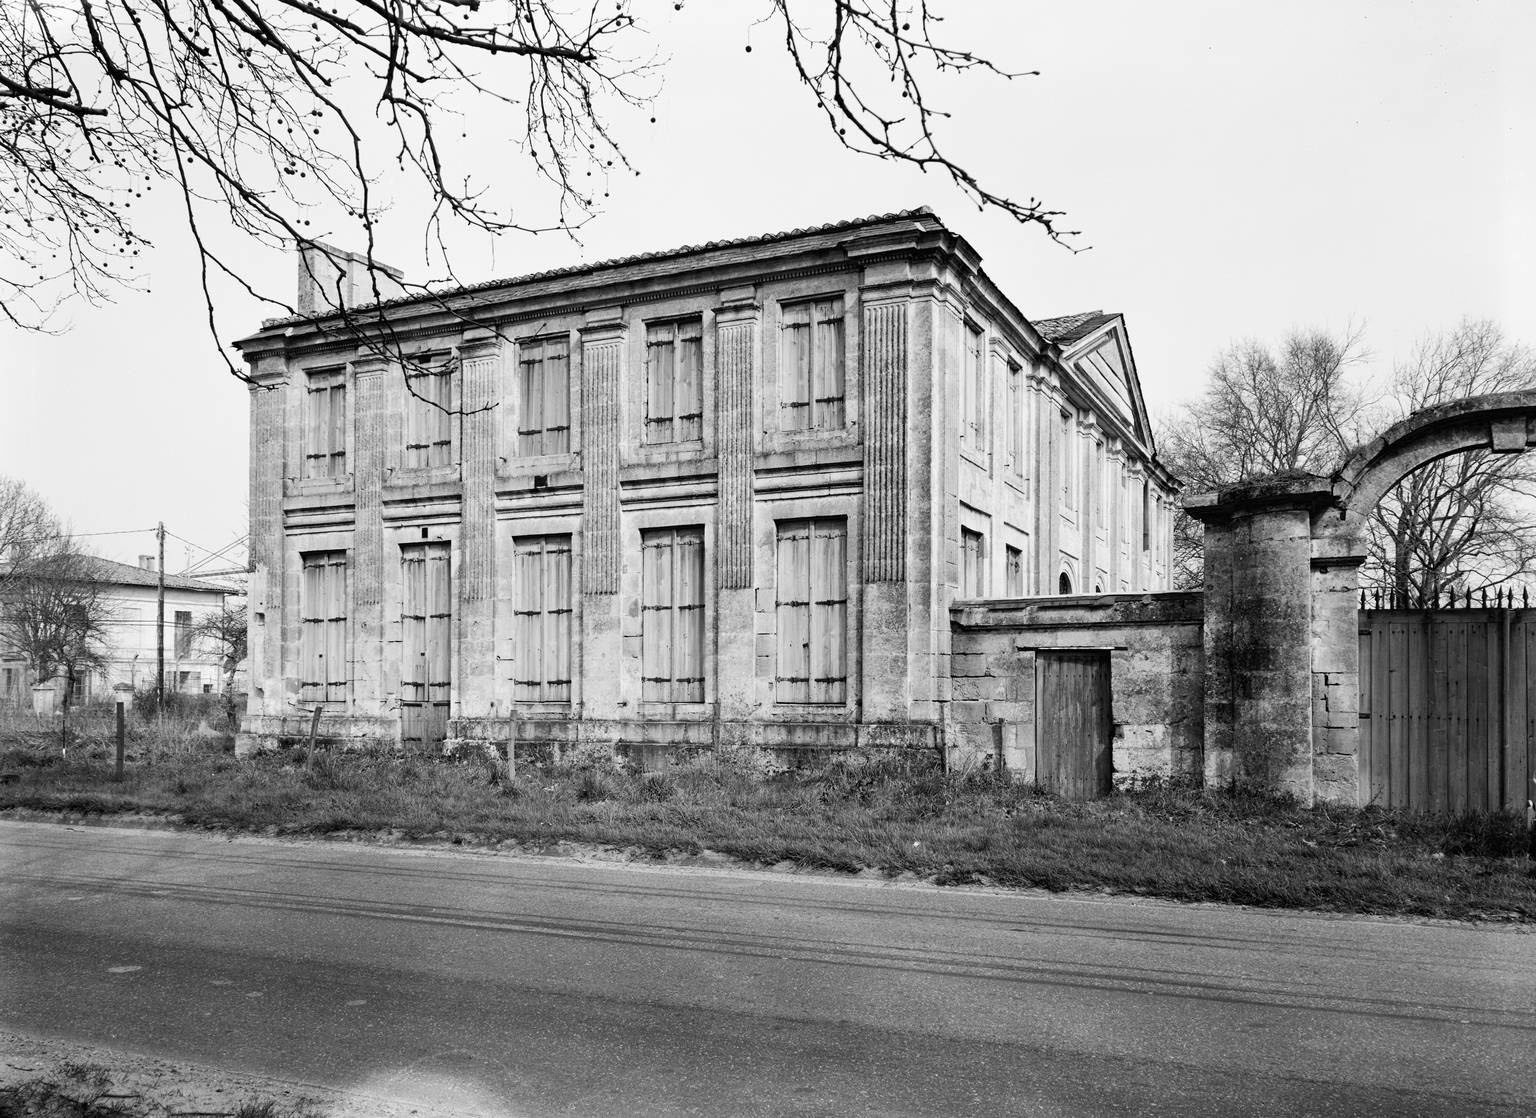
{"x":528,"y":987}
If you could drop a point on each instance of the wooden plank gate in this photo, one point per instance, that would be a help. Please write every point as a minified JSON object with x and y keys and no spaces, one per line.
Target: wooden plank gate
{"x":1073,"y":723}
{"x":1448,"y":708}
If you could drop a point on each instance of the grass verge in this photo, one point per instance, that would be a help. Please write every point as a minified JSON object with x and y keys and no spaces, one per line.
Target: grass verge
{"x":75,"y":1090}
{"x":848,"y":814}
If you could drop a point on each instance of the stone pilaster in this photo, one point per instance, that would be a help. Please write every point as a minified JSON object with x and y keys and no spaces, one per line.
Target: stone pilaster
{"x":887,"y":687}
{"x":602,"y":360}
{"x":368,"y":627}
{"x":479,"y":376}
{"x":736,"y":331}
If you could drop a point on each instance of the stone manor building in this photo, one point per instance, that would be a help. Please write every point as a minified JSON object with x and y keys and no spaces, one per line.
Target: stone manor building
{"x":719,"y":494}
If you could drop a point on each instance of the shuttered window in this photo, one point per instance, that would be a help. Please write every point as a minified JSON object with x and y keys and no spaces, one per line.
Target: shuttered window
{"x":1015,"y":572}
{"x":426,"y":617}
{"x":541,"y":606}
{"x":1067,"y":458}
{"x":429,"y":418}
{"x":973,"y":570}
{"x":323,"y":664}
{"x":1015,"y":420}
{"x":544,"y":397}
{"x":811,"y":366}
{"x":183,"y":632}
{"x":325,"y":426}
{"x":674,"y":360}
{"x":672,"y":615}
{"x":811,"y":612}
{"x":1146,"y":516}
{"x":973,"y":388}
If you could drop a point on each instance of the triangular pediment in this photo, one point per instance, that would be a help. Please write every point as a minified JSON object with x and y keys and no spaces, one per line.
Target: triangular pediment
{"x":1097,"y":353}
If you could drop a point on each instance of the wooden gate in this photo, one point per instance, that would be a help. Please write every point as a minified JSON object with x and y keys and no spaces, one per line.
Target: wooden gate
{"x":1073,"y":724}
{"x":426,"y":615}
{"x":1447,"y":708}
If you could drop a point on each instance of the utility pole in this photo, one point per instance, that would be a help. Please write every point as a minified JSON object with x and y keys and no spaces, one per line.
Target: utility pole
{"x":160,"y":620}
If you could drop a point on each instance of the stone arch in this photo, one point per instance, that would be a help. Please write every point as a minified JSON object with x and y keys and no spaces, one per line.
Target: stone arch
{"x":1502,"y":422}
{"x":1282,"y":559}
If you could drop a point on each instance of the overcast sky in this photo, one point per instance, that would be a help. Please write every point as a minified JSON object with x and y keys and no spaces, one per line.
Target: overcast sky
{"x":1239,"y":169}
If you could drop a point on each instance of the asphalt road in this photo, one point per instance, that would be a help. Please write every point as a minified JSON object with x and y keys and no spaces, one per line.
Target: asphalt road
{"x":507,"y":986}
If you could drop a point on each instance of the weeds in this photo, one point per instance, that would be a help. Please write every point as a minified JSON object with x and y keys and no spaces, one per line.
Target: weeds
{"x":897,"y":813}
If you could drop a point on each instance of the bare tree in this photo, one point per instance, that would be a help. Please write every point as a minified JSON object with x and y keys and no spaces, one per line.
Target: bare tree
{"x":1263,"y":413}
{"x":280,"y":118}
{"x":224,"y":631}
{"x":58,"y":615}
{"x":1465,"y":521}
{"x":28,"y":529}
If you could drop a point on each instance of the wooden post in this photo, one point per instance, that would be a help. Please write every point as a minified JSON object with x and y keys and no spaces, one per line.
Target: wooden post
{"x":314,"y":727}
{"x":117,"y":773}
{"x":160,"y":619}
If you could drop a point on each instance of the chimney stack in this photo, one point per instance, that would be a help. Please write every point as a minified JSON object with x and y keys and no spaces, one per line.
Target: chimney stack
{"x":147,"y":562}
{"x":332,"y":279}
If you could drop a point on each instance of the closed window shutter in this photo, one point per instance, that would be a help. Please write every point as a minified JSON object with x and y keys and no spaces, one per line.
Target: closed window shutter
{"x":689,"y":400}
{"x":311,"y":632}
{"x":337,"y":668}
{"x":557,"y":398}
{"x":659,"y":413}
{"x":792,"y":613}
{"x":689,"y":670}
{"x":542,"y":610}
{"x":338,"y":430}
{"x":530,"y":414}
{"x":829,"y":387}
{"x":795,"y":370}
{"x":413,"y":625}
{"x":439,"y":623}
{"x":656,"y":616}
{"x":829,"y":612}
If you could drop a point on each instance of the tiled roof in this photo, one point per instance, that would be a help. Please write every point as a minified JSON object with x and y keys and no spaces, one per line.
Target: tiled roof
{"x":639,"y":258}
{"x":1067,"y":329}
{"x":125,"y":574}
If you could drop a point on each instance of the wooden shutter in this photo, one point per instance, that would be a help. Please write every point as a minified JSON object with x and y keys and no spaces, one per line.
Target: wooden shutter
{"x":542,"y":611}
{"x":337,"y":665}
{"x":795,"y":369}
{"x":829,"y":369}
{"x":312,"y":630}
{"x":688,"y":633}
{"x":792,"y":612}
{"x":530,"y":401}
{"x":660,"y":355}
{"x":557,"y":397}
{"x":829,"y":612}
{"x":656,"y":618}
{"x":557,"y":618}
{"x":338,"y":429}
{"x":413,"y":625}
{"x":688,"y":398}
{"x":439,"y":623}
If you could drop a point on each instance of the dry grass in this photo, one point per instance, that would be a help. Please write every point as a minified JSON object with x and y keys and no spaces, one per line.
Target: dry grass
{"x":76,"y":1090}
{"x":850,"y":814}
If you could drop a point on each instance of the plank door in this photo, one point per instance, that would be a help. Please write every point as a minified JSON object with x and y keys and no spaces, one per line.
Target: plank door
{"x":426,"y":615}
{"x":1073,"y":723}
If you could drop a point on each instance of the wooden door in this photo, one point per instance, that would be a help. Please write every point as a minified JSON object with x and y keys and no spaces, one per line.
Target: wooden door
{"x":1073,"y":723}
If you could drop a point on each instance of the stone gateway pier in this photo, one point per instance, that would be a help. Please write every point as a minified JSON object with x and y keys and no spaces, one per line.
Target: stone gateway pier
{"x":1282,"y":595}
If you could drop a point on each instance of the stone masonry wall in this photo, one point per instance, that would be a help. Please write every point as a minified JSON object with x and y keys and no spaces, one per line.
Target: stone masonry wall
{"x":1157,"y":660}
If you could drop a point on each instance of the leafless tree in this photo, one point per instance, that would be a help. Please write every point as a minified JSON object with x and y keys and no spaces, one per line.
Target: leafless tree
{"x":1263,"y":413}
{"x":57,"y":617}
{"x":281,"y":118}
{"x":1463,"y":522}
{"x":28,"y":529}
{"x":224,"y":631}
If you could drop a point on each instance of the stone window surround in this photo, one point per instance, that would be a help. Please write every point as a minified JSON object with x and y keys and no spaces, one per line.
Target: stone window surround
{"x":511,"y":461}
{"x":295,"y":419}
{"x":770,"y":438}
{"x":635,"y":522}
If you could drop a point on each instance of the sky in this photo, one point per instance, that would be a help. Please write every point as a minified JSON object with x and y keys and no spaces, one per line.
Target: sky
{"x":1237,"y":171}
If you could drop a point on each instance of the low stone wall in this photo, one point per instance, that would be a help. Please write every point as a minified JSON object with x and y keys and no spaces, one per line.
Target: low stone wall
{"x":1157,"y":657}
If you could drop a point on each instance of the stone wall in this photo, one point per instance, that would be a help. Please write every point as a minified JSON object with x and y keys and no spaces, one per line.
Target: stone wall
{"x":1157,"y":658}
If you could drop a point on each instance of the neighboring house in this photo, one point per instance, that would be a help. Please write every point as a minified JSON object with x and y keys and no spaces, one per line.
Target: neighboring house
{"x":719,"y":493}
{"x":190,"y":667}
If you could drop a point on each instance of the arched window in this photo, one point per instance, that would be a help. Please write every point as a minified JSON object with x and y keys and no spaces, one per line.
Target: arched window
{"x":1065,"y":585}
